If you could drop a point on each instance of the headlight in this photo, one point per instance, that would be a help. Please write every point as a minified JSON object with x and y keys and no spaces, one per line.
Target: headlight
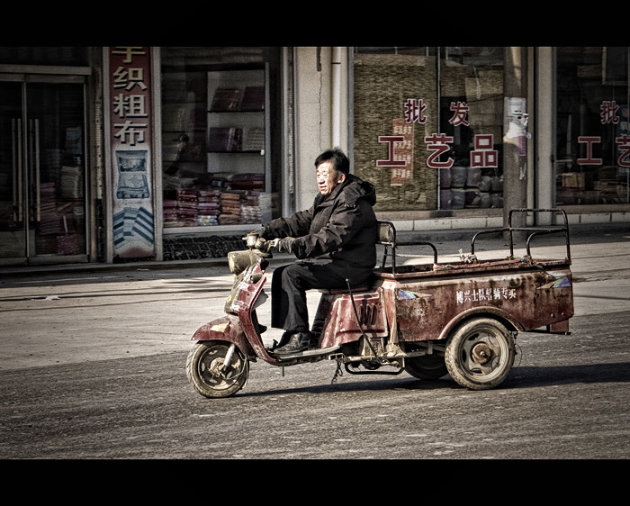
{"x":238,"y":261}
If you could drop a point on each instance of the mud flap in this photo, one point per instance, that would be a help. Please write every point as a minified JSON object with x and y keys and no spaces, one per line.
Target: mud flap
{"x":559,"y":328}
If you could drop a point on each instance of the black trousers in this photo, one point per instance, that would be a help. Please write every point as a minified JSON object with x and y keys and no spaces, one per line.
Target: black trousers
{"x":289,"y":284}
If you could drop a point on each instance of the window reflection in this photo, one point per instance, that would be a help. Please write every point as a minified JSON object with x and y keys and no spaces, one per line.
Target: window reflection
{"x":592,"y":126}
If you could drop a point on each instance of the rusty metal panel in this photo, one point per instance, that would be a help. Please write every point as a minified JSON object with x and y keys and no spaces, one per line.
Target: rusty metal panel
{"x":427,"y":305}
{"x":336,"y":321}
{"x":424,"y":303}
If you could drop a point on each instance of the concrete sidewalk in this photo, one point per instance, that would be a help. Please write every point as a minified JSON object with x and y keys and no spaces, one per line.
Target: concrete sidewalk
{"x":448,"y":243}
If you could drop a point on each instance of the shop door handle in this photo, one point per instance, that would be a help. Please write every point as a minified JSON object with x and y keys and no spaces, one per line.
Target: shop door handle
{"x":17,"y":162}
{"x":34,"y":156}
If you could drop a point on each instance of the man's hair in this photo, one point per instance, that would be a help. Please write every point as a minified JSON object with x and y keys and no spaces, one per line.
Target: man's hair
{"x":340,"y":161}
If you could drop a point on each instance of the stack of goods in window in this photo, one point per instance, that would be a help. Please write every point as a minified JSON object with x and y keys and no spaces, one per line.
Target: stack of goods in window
{"x":208,"y":207}
{"x":251,"y":186}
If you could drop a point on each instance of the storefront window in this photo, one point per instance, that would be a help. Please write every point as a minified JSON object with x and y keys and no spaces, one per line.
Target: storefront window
{"x":592,"y":159}
{"x":471,"y":116}
{"x":430,"y":137}
{"x":218,"y":142}
{"x":395,"y":109}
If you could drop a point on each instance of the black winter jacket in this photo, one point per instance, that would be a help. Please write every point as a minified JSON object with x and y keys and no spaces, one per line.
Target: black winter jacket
{"x":339,"y":228}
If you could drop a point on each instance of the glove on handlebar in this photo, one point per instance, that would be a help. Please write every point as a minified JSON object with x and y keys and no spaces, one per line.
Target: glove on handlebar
{"x":262,"y":245}
{"x":286,"y":244}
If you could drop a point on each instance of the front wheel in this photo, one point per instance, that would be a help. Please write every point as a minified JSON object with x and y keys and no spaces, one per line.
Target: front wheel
{"x":480,"y":354}
{"x":206,"y":371}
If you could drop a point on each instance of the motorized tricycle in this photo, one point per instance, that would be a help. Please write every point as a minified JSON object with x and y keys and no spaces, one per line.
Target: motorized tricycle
{"x":429,"y":319}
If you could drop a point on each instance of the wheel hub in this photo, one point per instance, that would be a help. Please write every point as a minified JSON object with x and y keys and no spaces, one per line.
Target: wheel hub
{"x":482,"y":353}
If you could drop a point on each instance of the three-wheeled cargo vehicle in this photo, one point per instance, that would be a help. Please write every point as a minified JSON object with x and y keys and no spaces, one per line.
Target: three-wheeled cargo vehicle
{"x":429,"y":319}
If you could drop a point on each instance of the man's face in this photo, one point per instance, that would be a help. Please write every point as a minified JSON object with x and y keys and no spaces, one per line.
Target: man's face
{"x":326,"y":180}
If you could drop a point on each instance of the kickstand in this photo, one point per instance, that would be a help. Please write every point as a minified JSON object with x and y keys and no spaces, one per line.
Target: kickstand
{"x":338,"y":372}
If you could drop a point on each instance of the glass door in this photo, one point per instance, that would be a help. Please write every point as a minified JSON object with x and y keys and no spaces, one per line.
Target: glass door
{"x":42,"y":169}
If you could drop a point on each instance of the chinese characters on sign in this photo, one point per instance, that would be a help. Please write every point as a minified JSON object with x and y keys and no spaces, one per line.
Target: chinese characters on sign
{"x":401,"y":156}
{"x":400,"y":152}
{"x":484,"y":295}
{"x":130,"y":120}
{"x":483,"y":155}
{"x":609,"y":115}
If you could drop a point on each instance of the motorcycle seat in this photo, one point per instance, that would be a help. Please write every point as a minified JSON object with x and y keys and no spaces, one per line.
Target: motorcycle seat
{"x":337,"y":291}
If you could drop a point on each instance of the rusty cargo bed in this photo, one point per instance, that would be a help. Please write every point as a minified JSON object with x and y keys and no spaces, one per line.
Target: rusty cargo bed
{"x":475,"y":267}
{"x":459,"y":317}
{"x":425,"y":302}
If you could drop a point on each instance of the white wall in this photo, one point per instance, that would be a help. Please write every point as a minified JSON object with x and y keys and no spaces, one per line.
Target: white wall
{"x":312,"y":118}
{"x":321,"y":88}
{"x":543,"y":122}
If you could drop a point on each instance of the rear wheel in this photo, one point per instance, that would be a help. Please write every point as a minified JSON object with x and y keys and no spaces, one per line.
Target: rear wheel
{"x":426,"y":367}
{"x":206,"y":372}
{"x":480,"y":354}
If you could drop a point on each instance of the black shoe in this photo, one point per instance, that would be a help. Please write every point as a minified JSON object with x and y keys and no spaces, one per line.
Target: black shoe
{"x":283,"y":340}
{"x":298,"y":342}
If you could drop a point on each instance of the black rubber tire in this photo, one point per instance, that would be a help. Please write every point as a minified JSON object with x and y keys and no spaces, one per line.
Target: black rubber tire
{"x":426,"y":367}
{"x":203,"y":362}
{"x":480,"y":353}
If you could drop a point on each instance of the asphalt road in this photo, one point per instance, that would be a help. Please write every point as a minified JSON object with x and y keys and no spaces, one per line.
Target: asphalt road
{"x":92,"y":367}
{"x":567,"y":398}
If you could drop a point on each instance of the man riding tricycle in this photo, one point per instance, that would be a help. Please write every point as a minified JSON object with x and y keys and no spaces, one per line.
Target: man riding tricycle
{"x":458,"y":318}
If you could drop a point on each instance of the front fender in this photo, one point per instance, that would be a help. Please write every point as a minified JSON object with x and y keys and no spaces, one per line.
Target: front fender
{"x":227,"y":328}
